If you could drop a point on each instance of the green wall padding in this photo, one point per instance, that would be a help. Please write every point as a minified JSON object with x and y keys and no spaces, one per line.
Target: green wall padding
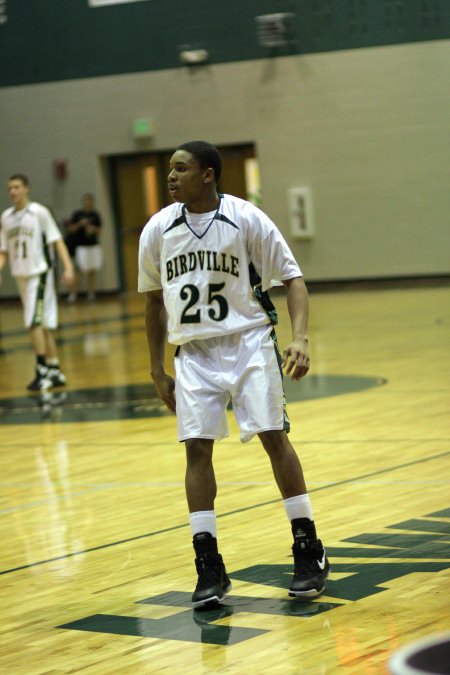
{"x":50,"y":40}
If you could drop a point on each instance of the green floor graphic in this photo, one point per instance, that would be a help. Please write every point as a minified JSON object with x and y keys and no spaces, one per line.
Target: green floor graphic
{"x":184,"y":627}
{"x":139,"y":400}
{"x":199,"y":625}
{"x":358,"y":579}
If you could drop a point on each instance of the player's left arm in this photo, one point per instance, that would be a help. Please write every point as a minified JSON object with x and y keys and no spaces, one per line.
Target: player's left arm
{"x":3,"y":261}
{"x":53,"y":236}
{"x":296,"y":355}
{"x":68,"y":276}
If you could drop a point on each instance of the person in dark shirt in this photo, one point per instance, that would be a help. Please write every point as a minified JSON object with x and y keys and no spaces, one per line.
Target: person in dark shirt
{"x":83,"y":241}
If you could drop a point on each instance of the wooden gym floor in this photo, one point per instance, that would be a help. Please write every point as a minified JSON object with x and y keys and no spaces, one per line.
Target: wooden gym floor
{"x":96,"y":562}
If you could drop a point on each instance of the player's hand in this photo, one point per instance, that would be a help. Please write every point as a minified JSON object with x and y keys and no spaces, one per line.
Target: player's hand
{"x":165,"y":388}
{"x":296,"y":360}
{"x":68,"y":278}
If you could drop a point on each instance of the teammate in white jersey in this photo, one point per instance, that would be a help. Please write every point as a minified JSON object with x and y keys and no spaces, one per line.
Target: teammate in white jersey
{"x":27,"y":235}
{"x":206,"y":263}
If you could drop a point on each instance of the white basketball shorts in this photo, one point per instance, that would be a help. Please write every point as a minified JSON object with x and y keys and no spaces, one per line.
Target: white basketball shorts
{"x":89,"y":258}
{"x":242,"y":367}
{"x":38,"y":294}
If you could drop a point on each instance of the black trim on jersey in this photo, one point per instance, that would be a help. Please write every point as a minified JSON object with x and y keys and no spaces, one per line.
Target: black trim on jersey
{"x":217,"y":216}
{"x":179,"y":221}
{"x":262,"y":297}
{"x":200,"y":236}
{"x":224,"y":219}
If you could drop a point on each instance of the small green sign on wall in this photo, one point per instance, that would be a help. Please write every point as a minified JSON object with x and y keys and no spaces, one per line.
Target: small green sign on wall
{"x":143,"y":127}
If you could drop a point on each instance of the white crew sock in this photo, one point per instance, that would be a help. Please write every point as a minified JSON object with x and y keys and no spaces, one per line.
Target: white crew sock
{"x":298,"y":507}
{"x":203,"y":521}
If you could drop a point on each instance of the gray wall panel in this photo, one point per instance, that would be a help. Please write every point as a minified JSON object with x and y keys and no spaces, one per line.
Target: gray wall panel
{"x":366,"y":130}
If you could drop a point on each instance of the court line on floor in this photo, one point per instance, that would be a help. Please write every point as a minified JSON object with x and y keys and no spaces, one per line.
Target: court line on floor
{"x":224,"y":515}
{"x":230,"y":441}
{"x":85,"y":489}
{"x":221,"y":484}
{"x":83,"y":323}
{"x":89,"y":487}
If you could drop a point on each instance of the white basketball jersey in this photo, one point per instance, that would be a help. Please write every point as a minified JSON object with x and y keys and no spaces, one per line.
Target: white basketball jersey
{"x":214,"y":281}
{"x":25,"y":236}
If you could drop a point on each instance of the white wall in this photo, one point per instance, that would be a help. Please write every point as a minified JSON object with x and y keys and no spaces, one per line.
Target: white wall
{"x":366,"y":130}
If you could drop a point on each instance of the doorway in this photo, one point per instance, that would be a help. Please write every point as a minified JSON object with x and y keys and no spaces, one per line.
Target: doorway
{"x":140,"y":191}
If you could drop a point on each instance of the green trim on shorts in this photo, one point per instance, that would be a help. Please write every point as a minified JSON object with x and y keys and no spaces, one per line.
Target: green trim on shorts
{"x":39,"y":307}
{"x":286,"y":420}
{"x":46,"y":250}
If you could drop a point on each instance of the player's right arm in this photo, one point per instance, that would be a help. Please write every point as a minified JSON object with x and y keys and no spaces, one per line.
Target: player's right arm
{"x":156,"y":327}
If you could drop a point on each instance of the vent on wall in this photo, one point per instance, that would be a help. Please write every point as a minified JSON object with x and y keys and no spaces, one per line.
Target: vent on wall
{"x":275,"y":30}
{"x":3,"y":14}
{"x":301,"y":218}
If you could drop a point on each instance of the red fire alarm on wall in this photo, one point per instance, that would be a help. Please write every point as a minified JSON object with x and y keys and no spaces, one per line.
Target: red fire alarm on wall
{"x":60,"y":169}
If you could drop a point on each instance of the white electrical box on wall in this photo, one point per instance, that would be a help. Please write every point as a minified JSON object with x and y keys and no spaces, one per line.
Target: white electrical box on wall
{"x":301,"y":217}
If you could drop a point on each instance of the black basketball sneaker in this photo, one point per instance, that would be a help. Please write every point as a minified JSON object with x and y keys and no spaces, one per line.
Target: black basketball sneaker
{"x":213,"y":581}
{"x":311,"y":566}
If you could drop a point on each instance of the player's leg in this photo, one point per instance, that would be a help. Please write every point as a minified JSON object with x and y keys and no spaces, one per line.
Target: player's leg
{"x":38,"y":343}
{"x":50,"y":321}
{"x":197,"y":391}
{"x":213,"y":582}
{"x":286,"y":466}
{"x":95,"y":259}
{"x":311,"y":566}
{"x":201,"y":488}
{"x":40,"y":380}
{"x":51,"y":350}
{"x":55,"y":374}
{"x":82,"y":263}
{"x":259,"y":407}
{"x":91,"y":283}
{"x":31,"y":291}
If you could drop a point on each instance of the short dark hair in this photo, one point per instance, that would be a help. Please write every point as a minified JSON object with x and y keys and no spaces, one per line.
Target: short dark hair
{"x":207,"y":156}
{"x":20,"y":176}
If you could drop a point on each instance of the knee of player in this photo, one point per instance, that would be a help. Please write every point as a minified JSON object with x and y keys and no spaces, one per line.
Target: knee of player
{"x":275,"y":441}
{"x":199,"y":451}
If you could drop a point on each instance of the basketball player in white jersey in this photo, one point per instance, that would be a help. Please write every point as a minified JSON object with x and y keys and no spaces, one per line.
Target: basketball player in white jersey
{"x":27,"y":233}
{"x":206,"y":263}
